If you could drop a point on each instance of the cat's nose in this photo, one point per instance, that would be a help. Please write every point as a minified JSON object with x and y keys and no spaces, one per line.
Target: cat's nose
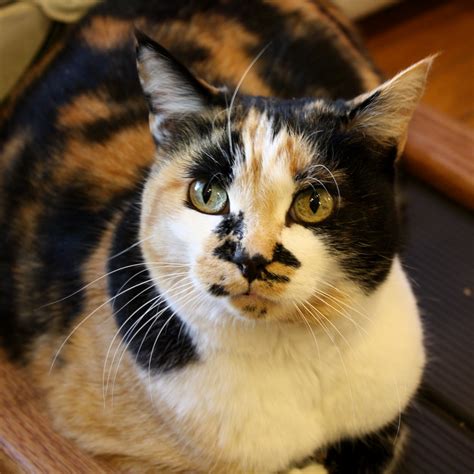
{"x":251,"y":267}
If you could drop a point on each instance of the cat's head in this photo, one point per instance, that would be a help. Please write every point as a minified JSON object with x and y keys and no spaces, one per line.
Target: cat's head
{"x":270,"y":208}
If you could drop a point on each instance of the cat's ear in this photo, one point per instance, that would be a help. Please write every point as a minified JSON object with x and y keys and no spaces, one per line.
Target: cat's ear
{"x":170,"y":88}
{"x":385,"y":112}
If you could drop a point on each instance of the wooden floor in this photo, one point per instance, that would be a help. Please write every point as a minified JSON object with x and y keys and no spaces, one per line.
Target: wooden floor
{"x":414,"y":29}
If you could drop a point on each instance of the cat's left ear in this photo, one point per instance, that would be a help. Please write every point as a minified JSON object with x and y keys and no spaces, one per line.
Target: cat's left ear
{"x":171,"y":90}
{"x":385,"y":112}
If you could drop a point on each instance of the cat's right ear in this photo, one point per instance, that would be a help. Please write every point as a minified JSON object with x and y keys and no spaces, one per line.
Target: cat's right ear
{"x":170,"y":88}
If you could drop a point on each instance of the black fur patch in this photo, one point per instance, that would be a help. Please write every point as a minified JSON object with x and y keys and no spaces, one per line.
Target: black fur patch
{"x":253,"y":268}
{"x":370,"y":454}
{"x":349,"y":114}
{"x":226,"y":251}
{"x":50,"y":269}
{"x":156,"y":336}
{"x":102,"y":130}
{"x":232,"y":224}
{"x":284,"y":256}
{"x":61,"y":259}
{"x":364,"y":232}
{"x":269,"y":276}
{"x":218,"y":290}
{"x":216,"y":161}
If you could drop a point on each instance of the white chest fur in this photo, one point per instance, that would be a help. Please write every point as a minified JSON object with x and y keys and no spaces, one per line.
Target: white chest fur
{"x":288,"y":391}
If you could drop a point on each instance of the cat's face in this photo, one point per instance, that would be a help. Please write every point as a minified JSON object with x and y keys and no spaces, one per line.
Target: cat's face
{"x":274,"y":209}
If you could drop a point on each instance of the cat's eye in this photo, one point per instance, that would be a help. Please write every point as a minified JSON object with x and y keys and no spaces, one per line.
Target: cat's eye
{"x":312,"y":205}
{"x":208,"y":197}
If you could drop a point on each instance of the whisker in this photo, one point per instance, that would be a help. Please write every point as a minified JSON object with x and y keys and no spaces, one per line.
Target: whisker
{"x":310,"y":328}
{"x":342,"y":313}
{"x":155,"y":302}
{"x":117,"y":332}
{"x":105,"y":275}
{"x":158,"y":297}
{"x":343,"y":303}
{"x":148,"y":330}
{"x":125,"y":284}
{"x":234,"y":95}
{"x":153,"y":350}
{"x":130,"y":248}
{"x":156,"y":341}
{"x":330,"y":322}
{"x":399,"y":413}
{"x":343,"y":294}
{"x":340,"y":357}
{"x":319,"y":165}
{"x":89,"y":316}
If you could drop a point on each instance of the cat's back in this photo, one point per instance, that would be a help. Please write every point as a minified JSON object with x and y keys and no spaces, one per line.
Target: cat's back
{"x":74,"y":140}
{"x":304,"y":48}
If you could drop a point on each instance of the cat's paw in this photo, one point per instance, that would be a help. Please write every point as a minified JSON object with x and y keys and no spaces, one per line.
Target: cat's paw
{"x":311,"y":469}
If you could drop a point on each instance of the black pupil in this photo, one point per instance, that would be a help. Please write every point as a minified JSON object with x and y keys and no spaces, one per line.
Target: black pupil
{"x":207,"y":192}
{"x":314,"y":202}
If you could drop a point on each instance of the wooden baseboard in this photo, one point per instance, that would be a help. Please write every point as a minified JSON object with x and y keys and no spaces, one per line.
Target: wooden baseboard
{"x":440,"y":151}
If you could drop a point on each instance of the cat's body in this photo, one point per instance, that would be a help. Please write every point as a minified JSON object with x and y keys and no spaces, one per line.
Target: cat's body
{"x":209,"y":385}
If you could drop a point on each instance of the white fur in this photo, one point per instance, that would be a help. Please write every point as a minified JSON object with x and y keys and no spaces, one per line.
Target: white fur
{"x":263,"y":394}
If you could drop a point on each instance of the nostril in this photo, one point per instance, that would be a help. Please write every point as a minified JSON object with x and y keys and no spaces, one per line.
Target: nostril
{"x":249,"y":271}
{"x":259,"y":261}
{"x":251,"y":267}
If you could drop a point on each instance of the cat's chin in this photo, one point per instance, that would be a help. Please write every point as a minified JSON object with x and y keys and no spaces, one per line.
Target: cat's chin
{"x":252,"y":305}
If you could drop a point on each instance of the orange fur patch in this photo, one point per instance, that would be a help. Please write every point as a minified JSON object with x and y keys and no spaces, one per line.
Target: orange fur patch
{"x":104,"y":32}
{"x":84,"y":109}
{"x":12,"y":149}
{"x":227,"y":42}
{"x":111,"y":167}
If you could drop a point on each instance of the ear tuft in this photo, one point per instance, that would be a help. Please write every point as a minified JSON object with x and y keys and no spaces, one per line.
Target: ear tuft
{"x":170,"y":88}
{"x":385,"y":112}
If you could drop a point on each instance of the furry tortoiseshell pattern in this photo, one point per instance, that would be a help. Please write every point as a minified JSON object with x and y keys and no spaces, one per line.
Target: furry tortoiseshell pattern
{"x":94,"y":207}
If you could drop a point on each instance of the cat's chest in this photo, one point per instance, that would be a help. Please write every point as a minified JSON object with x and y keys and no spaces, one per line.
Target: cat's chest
{"x":268,"y":410}
{"x":293,"y":394}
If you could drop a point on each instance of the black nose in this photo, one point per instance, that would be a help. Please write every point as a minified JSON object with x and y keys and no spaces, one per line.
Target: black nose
{"x":251,"y":267}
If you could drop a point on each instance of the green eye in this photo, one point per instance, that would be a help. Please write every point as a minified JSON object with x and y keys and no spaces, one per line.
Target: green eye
{"x":208,"y":197}
{"x":312,"y":206}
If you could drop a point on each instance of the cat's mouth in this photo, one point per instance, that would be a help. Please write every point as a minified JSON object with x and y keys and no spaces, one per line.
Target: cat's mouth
{"x":253,"y":296}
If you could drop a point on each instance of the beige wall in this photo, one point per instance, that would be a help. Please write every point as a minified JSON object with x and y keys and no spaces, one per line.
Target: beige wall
{"x":24,"y":26}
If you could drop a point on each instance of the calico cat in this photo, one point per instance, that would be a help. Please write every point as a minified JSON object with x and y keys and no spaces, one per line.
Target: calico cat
{"x":223,"y":294}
